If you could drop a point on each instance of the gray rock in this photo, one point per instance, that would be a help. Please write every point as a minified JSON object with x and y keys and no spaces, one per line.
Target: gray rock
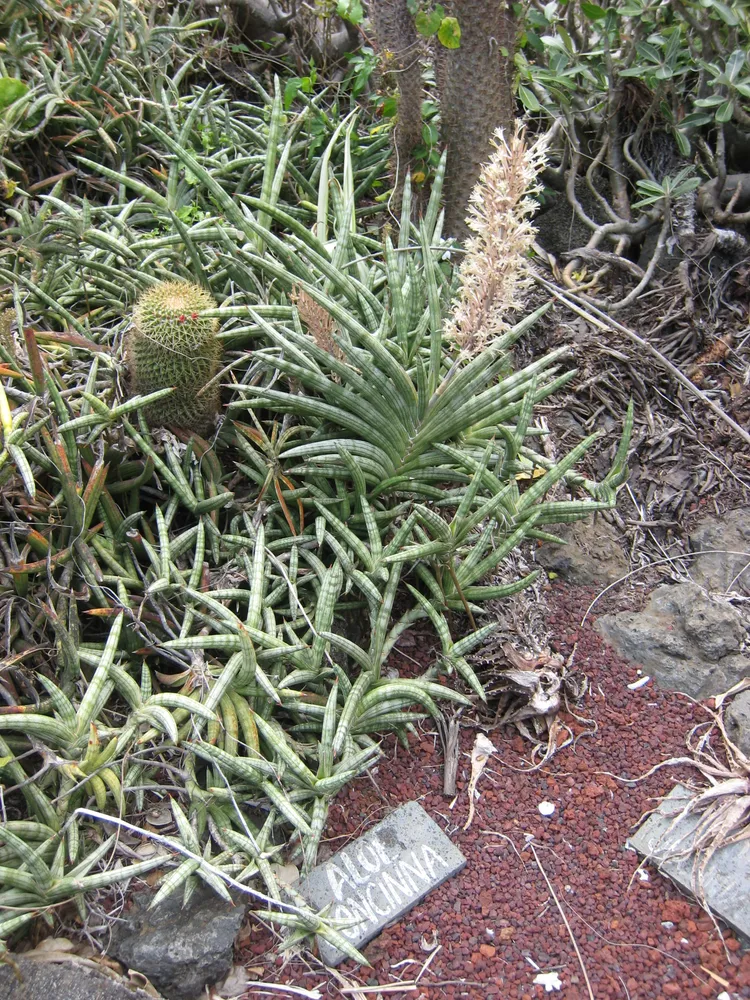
{"x":721,"y":570}
{"x":65,"y":979}
{"x":724,"y":888}
{"x":688,"y":642}
{"x":181,"y":950}
{"x":737,"y":720}
{"x":382,"y":875}
{"x":593,"y":554}
{"x":716,"y":629}
{"x":735,"y":668}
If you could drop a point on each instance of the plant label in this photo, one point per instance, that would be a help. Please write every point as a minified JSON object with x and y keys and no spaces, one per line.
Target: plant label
{"x":381,"y":875}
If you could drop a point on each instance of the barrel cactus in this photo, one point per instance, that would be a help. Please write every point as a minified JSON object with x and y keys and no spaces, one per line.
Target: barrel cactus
{"x":171,"y":344}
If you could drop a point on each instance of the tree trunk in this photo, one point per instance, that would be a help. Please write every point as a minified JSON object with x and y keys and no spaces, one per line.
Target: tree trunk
{"x":476,"y":97}
{"x":400,"y":52}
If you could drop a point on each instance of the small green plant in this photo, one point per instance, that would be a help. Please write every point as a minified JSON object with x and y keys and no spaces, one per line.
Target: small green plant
{"x":10,"y":91}
{"x":362,"y":64}
{"x":431,"y":20}
{"x":660,"y":89}
{"x":295,"y":84}
{"x":350,"y":10}
{"x":171,"y":344}
{"x":426,"y":154}
{"x":670,"y":188}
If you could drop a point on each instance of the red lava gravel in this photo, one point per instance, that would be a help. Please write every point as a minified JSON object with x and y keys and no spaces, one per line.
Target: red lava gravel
{"x":496,"y":922}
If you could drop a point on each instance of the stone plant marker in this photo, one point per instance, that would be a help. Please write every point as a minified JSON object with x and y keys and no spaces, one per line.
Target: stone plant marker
{"x":381,"y":875}
{"x":726,"y":879}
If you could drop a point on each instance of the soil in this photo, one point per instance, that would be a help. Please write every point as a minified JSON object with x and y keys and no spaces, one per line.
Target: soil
{"x":497,"y":923}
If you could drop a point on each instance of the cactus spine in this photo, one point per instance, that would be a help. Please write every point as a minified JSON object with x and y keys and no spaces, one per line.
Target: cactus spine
{"x":171,"y":344}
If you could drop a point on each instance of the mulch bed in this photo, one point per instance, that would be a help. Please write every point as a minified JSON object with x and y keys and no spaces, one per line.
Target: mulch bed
{"x":496,"y":922}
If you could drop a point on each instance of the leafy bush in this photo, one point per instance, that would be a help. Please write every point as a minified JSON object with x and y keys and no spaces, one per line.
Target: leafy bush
{"x":653,"y":98}
{"x":685,"y":58}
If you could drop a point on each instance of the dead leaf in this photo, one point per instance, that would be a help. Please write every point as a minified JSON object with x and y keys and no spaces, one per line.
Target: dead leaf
{"x":52,"y":946}
{"x":235,"y":983}
{"x":159,"y":816}
{"x":715,"y":353}
{"x":150,"y":850}
{"x":480,"y":753}
{"x":429,"y":943}
{"x":285,"y":874}
{"x":536,"y":692}
{"x":141,"y":982}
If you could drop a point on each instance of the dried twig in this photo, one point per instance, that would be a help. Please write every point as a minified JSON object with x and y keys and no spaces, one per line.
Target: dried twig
{"x":659,"y":562}
{"x":297,"y":991}
{"x":390,"y":988}
{"x":174,"y":845}
{"x":579,"y":956}
{"x":599,"y":318}
{"x":449,"y":730}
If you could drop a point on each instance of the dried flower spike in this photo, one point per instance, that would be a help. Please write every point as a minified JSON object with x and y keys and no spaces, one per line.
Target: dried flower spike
{"x":492,"y":274}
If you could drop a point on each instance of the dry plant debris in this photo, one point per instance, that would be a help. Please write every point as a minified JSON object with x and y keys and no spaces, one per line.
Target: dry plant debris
{"x":529,"y":691}
{"x":638,"y":937}
{"x":723,"y":804}
{"x":480,"y":754}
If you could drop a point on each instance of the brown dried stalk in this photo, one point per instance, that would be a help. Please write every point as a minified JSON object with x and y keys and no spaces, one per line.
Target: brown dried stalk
{"x":714,"y":354}
{"x":6,"y":337}
{"x":449,"y":729}
{"x":318,"y":321}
